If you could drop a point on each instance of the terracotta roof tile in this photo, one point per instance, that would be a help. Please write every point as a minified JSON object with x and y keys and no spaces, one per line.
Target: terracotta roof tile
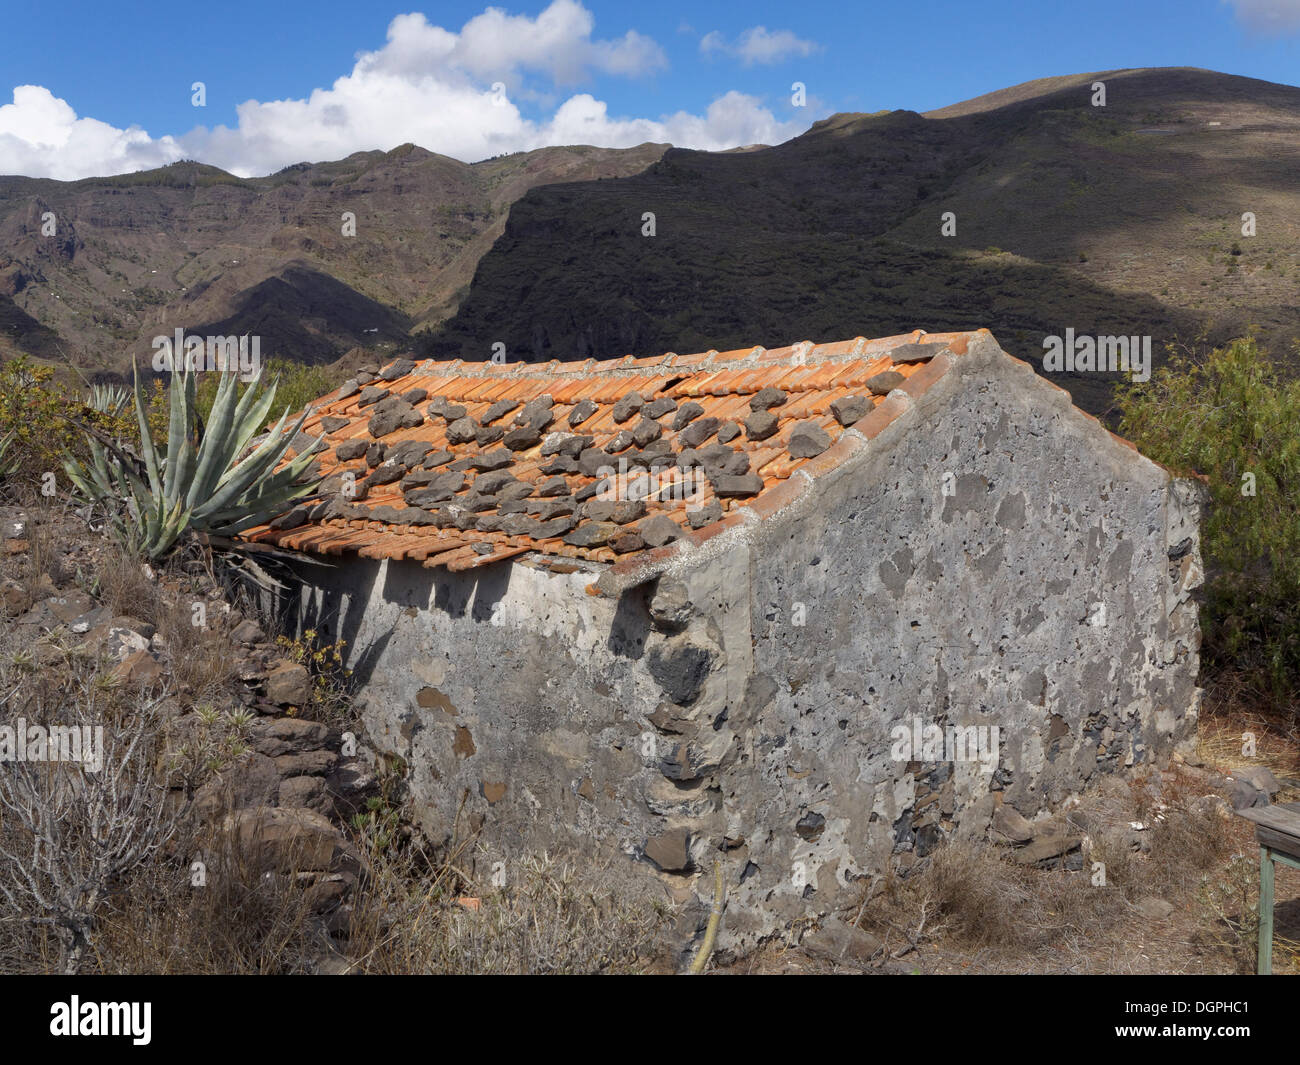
{"x":460,"y":528}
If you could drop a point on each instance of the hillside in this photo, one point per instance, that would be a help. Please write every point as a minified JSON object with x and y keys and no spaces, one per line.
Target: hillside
{"x":1068,"y":215}
{"x":191,"y":246}
{"x":1117,"y":220}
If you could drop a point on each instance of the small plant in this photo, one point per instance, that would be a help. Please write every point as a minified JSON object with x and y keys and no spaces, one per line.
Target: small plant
{"x":108,"y":399}
{"x":377,"y":826}
{"x":216,"y":742}
{"x":1230,"y":901}
{"x":240,"y":719}
{"x":331,"y":679}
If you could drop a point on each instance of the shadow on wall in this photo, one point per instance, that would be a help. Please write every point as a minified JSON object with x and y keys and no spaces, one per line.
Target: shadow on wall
{"x":346,"y":596}
{"x":630,"y":627}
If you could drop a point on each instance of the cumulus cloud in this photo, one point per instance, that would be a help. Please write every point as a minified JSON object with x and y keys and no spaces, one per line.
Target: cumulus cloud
{"x":457,"y":93}
{"x":1270,"y":17}
{"x":42,"y":136}
{"x":758,"y":44}
{"x":557,"y":43}
{"x":731,"y":121}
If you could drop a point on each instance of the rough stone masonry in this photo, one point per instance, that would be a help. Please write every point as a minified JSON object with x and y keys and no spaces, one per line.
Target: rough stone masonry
{"x":974,"y":557}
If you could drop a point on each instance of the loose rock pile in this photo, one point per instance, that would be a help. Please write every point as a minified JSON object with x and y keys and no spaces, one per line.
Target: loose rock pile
{"x":281,"y":802}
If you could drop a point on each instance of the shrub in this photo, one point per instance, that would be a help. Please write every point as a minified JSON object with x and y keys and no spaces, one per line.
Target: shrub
{"x":1228,"y":416}
{"x":38,"y":417}
{"x":298,"y":386}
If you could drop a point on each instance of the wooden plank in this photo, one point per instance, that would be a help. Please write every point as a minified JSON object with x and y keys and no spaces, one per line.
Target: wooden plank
{"x":1264,"y":965}
{"x":1278,"y":818}
{"x":1281,"y":842}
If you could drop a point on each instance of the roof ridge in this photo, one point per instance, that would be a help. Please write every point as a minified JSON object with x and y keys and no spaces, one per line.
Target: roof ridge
{"x":670,"y":363}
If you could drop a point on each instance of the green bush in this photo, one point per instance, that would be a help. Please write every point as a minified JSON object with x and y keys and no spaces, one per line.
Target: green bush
{"x":39,"y":416}
{"x":1228,"y":415}
{"x":298,"y":386}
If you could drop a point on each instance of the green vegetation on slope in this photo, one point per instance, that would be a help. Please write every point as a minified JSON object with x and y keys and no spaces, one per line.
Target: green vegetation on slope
{"x":1228,"y":416}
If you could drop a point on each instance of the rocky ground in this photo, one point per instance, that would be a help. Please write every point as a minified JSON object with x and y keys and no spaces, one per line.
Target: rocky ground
{"x":1176,"y":894}
{"x":265,"y":757}
{"x":244,"y":745}
{"x":277,"y":799}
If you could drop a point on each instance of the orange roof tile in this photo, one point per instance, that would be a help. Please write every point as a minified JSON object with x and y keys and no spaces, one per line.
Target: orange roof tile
{"x":511,"y":499}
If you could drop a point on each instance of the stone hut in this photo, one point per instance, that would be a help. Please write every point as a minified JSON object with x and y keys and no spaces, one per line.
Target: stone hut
{"x":804,"y":611}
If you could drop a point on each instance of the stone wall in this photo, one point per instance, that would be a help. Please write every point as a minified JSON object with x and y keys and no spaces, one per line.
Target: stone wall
{"x":990,"y":558}
{"x":522,"y":704}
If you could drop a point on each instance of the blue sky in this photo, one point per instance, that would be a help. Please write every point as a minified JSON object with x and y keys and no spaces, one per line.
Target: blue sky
{"x":108,"y":89}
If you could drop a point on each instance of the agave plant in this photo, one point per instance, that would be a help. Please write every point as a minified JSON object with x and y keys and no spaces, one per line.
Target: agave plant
{"x":7,"y":462}
{"x":200,"y":483}
{"x":108,"y":399}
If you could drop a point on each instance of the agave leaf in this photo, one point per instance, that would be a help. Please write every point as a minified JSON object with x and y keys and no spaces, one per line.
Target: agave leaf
{"x":177,"y":430}
{"x":254,"y":416}
{"x":146,"y":436}
{"x":259,"y":510}
{"x":258,"y":465}
{"x":213,"y":448}
{"x":181,"y":473}
{"x":180,"y":431}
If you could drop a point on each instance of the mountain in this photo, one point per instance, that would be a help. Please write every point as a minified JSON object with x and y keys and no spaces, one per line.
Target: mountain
{"x":194,"y":247}
{"x":1120,"y":219}
{"x":1123,"y":219}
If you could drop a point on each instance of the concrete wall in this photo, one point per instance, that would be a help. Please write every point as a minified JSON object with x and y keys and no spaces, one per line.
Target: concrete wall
{"x":991,"y":558}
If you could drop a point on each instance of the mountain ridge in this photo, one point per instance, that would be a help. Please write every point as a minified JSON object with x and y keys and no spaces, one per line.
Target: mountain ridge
{"x":1119,"y":219}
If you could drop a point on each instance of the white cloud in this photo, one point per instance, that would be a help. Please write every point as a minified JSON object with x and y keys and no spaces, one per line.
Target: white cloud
{"x":427,"y":85}
{"x":732,"y":120}
{"x":42,"y":136}
{"x":1271,"y":17}
{"x":758,"y":44}
{"x":495,"y":45}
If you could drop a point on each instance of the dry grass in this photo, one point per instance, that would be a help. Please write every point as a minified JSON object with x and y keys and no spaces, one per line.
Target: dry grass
{"x":969,"y":907}
{"x":237,"y":918}
{"x":551,"y":916}
{"x":1227,"y":715}
{"x":970,"y":895}
{"x":42,"y":556}
{"x":407,"y":915}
